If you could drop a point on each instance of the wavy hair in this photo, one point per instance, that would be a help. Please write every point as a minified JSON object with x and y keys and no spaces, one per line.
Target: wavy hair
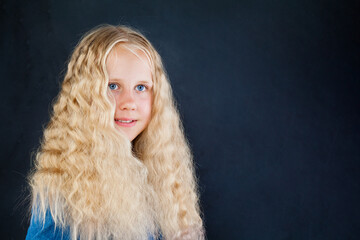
{"x":91,"y":178}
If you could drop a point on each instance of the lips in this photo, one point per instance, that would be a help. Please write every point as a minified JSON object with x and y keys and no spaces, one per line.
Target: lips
{"x":125,"y":122}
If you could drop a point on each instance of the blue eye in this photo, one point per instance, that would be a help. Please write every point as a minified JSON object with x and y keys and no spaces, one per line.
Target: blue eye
{"x":140,"y":88}
{"x":113,"y":86}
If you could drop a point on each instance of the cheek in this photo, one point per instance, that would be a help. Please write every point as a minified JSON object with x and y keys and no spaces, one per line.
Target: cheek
{"x":113,"y":101}
{"x":145,"y":108}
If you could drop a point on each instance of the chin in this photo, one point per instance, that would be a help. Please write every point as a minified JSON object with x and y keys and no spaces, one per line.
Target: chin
{"x":131,"y":137}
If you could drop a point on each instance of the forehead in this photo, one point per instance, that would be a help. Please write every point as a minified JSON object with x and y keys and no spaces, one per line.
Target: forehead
{"x":125,"y":61}
{"x":130,"y":50}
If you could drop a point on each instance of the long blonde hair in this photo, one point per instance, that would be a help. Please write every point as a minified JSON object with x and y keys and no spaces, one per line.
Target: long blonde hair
{"x":87,"y":173}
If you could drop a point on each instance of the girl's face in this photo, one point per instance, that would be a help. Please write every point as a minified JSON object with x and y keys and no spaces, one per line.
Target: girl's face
{"x":130,"y":82}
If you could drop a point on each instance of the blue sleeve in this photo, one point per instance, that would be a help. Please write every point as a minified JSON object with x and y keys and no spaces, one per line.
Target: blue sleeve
{"x":39,"y":231}
{"x":159,"y":237}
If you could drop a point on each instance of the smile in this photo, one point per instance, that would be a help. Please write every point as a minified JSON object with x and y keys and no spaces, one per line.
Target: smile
{"x":125,"y":122}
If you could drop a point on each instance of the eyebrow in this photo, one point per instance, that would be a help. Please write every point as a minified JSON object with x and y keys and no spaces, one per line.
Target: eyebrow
{"x":138,"y":81}
{"x":146,"y":81}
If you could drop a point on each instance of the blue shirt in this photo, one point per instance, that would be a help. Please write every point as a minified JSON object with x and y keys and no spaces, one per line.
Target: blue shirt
{"x":38,"y":231}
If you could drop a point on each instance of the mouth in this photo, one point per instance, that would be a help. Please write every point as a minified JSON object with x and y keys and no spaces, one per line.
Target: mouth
{"x":125,"y":122}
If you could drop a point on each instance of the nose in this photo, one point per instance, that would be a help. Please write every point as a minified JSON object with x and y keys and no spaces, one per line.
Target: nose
{"x":126,"y":101}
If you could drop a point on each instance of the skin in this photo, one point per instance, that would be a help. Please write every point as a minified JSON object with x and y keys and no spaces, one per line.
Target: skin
{"x":130,"y":83}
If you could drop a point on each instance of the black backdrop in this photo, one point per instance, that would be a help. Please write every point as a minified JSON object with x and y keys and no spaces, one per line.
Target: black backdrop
{"x":268,"y":91}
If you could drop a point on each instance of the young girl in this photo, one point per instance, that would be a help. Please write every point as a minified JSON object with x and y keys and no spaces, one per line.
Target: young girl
{"x":114,"y":162}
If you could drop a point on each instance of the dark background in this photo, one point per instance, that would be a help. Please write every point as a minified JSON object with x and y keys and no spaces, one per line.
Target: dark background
{"x":268,"y":91}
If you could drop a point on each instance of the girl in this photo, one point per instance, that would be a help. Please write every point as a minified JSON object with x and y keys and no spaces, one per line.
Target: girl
{"x":114,"y":162}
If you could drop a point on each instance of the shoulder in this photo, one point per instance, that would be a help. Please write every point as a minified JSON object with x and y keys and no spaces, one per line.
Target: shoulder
{"x":45,"y":230}
{"x":39,"y":229}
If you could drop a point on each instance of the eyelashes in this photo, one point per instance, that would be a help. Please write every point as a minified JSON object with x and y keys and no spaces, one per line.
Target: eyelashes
{"x":113,"y":86}
{"x":139,"y":87}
